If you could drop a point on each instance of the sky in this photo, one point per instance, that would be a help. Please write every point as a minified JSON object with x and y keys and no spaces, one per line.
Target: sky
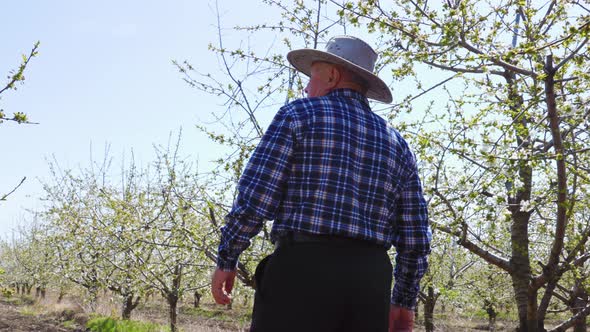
{"x":103,"y":76}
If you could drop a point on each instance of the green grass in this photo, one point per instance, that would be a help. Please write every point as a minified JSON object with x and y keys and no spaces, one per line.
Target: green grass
{"x":18,"y":300}
{"x":109,"y":324}
{"x":218,"y":314}
{"x":69,"y":324}
{"x":28,"y":311}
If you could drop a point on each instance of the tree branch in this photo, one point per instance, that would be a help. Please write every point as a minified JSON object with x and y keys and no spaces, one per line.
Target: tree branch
{"x":546,"y":16}
{"x":500,"y":262}
{"x":19,"y":74}
{"x":462,"y":70}
{"x":3,"y":198}
{"x":496,"y":60}
{"x":569,"y":57}
{"x":570,"y":322}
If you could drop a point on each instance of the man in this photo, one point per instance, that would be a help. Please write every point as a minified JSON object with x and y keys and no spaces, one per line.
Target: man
{"x":341,"y":188}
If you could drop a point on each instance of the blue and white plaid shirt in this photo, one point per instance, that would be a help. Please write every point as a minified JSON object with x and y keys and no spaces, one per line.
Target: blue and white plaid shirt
{"x":329,"y":165}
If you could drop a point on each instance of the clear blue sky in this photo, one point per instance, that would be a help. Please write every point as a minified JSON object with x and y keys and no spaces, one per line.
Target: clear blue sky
{"x":103,"y":75}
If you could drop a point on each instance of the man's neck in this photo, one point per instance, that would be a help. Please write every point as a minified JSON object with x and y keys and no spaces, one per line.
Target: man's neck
{"x":352,"y":86}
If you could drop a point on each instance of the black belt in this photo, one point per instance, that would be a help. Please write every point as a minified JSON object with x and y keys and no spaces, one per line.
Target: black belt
{"x":301,"y":238}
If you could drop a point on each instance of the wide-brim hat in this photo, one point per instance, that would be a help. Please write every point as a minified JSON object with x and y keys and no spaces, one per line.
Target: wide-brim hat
{"x":353,"y":54}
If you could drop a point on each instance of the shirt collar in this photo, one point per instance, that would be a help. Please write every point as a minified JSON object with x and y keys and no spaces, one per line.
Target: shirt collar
{"x":349,"y":93}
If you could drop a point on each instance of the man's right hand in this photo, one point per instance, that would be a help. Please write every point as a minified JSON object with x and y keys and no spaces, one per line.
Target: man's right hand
{"x":401,"y":319}
{"x":222,"y":283}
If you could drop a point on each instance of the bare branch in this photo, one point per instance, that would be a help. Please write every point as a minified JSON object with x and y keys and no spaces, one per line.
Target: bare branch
{"x":570,"y":322}
{"x":424,"y":92}
{"x":497,"y":60}
{"x":489,"y":257}
{"x":3,"y":198}
{"x":462,"y":70}
{"x":549,"y":10}
{"x":425,"y":14}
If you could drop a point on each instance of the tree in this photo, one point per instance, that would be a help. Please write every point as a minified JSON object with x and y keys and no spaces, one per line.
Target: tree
{"x":445,"y":279}
{"x":504,"y":145}
{"x":170,"y":238}
{"x":91,"y":224}
{"x":511,"y":147}
{"x":27,"y":259}
{"x":149,"y":232}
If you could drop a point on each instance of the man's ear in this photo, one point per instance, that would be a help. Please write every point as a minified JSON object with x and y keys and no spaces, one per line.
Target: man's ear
{"x":334,"y":77}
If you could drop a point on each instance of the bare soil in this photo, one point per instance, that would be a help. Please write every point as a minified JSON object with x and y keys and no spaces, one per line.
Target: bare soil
{"x":46,"y":316}
{"x":11,"y":319}
{"x":16,"y":316}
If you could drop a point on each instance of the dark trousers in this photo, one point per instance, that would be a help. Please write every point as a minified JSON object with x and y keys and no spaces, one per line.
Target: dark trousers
{"x":325,"y":287}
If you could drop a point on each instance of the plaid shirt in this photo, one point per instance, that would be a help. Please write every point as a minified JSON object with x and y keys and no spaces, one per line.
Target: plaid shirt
{"x":329,"y":165}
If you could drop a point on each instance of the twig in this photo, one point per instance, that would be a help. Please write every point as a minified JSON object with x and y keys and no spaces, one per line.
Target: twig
{"x":3,"y":198}
{"x":18,"y":76}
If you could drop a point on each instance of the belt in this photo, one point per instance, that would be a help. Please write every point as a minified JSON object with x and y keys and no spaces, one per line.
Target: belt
{"x":292,"y":238}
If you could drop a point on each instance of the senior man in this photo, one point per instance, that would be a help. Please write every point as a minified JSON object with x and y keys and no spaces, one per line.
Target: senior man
{"x":341,"y":187}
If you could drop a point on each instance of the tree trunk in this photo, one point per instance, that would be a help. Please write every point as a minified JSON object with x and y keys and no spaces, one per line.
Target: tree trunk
{"x":172,"y":304}
{"x":173,"y":295}
{"x":580,"y":301}
{"x":580,"y":326}
{"x":197,"y":299}
{"x":520,"y":265}
{"x":526,"y":298}
{"x":61,"y":295}
{"x":525,"y":295}
{"x":492,"y":314}
{"x":93,"y":294}
{"x":128,"y":305}
{"x":43,"y":292}
{"x":37,"y":292}
{"x":429,"y":310}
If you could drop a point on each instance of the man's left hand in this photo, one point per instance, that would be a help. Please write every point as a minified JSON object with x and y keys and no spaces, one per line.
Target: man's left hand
{"x":222,"y":283}
{"x":401,"y":319}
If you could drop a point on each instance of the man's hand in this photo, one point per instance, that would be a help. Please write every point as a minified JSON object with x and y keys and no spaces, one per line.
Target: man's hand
{"x":401,"y":319}
{"x":222,"y":282}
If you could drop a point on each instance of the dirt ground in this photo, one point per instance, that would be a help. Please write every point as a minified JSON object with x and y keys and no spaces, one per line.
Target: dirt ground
{"x":49,"y":317}
{"x":18,"y":317}
{"x":14,"y":321}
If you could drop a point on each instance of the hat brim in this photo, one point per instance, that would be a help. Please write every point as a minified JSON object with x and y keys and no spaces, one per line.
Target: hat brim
{"x":303,"y":59}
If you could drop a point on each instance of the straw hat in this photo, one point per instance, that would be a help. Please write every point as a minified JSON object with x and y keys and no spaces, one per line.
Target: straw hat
{"x":351,"y":53}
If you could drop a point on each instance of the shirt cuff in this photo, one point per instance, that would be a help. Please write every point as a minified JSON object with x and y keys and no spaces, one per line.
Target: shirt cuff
{"x":405,"y":298}
{"x":226,"y":264}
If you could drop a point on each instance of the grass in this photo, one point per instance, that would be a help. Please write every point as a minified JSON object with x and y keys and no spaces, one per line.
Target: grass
{"x":213,"y":312}
{"x":28,"y":311}
{"x":69,"y":324}
{"x":18,"y":300}
{"x":109,"y":324}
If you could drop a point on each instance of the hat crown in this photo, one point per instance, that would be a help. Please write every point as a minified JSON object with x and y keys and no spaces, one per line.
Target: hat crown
{"x":351,"y":53}
{"x":354,"y":50}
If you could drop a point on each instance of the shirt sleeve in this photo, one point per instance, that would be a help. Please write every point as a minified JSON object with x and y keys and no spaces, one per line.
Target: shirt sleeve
{"x":411,"y":239}
{"x":260,"y":189}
